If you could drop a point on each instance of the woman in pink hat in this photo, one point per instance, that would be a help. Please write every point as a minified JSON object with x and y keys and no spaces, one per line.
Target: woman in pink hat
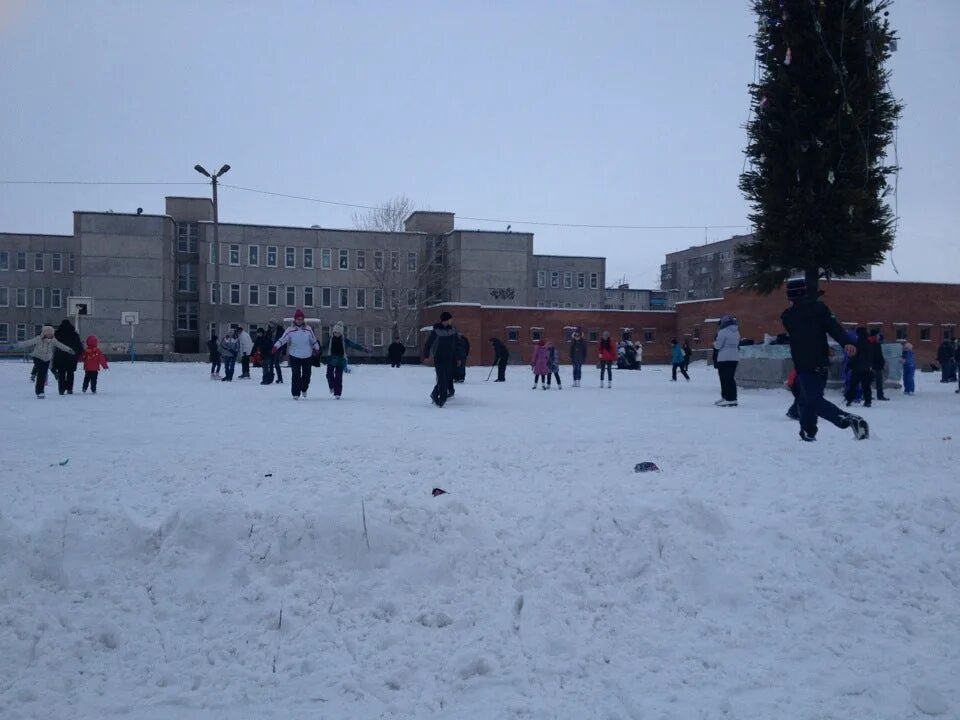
{"x":301,"y":346}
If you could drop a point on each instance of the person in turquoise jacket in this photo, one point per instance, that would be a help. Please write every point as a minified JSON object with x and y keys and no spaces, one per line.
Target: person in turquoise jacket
{"x":678,"y":359}
{"x":909,"y":361}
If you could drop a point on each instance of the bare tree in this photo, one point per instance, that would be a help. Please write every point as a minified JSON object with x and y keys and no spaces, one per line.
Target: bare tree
{"x":386,"y":217}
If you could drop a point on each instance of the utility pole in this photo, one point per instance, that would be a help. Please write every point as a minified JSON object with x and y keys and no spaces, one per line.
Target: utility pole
{"x":216,"y":232}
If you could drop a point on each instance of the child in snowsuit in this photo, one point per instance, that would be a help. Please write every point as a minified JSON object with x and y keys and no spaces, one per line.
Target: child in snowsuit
{"x":337,"y":359}
{"x":909,"y":361}
{"x":214,"y":347}
{"x":540,"y":364}
{"x":553,"y":364}
{"x":93,"y":361}
{"x":43,"y":346}
{"x":677,"y":359}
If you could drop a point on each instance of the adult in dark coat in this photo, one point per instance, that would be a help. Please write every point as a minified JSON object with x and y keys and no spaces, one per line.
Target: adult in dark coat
{"x":275,"y":328}
{"x":808,"y":322}
{"x":879,"y":363}
{"x":213,"y":346}
{"x":444,"y":345}
{"x":945,"y":356}
{"x":395,"y":352}
{"x":461,"y":374}
{"x":64,"y":363}
{"x":501,"y":356}
{"x":687,"y":354}
{"x":578,"y":355}
{"x":861,"y":366}
{"x":263,"y":344}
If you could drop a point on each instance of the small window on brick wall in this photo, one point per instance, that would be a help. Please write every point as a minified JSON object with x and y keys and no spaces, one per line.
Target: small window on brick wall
{"x":536,"y":334}
{"x":593,"y":335}
{"x":901,"y":331}
{"x":513,"y":334}
{"x":649,"y":335}
{"x":949,"y":332}
{"x":925,"y":333}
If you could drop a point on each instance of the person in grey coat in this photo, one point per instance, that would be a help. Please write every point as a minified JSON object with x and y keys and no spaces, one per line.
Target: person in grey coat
{"x":727,"y":346}
{"x":229,"y":349}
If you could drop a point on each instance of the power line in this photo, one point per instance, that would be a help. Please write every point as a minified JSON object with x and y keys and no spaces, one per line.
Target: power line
{"x":93,"y":182}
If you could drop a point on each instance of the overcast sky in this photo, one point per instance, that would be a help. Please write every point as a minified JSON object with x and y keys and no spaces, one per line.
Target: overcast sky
{"x":626,"y":113}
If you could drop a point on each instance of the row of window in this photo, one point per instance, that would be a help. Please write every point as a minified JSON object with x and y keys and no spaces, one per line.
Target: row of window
{"x":568,"y":278}
{"x":307,"y":258}
{"x":308,"y":296}
{"x":591,"y":335}
{"x":32,"y":297}
{"x":21,"y":261}
{"x":947,"y":330}
{"x":21,"y":331}
{"x":566,"y":305}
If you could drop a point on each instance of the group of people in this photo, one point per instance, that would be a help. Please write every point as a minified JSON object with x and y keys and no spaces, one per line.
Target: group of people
{"x":301,"y":346}
{"x":61,"y":351}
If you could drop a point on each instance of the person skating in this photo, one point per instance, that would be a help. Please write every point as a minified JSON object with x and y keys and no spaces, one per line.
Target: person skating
{"x":862,"y":369}
{"x":246,"y":349}
{"x":540,"y":364}
{"x":808,"y":322}
{"x":443,"y":345}
{"x":93,"y":361}
{"x":302,"y":345}
{"x":65,"y":363}
{"x":878,"y":363}
{"x":213,"y":346}
{"x":687,"y":354}
{"x":501,"y":356}
{"x":606,"y":356}
{"x":909,"y":362}
{"x":578,"y":355}
{"x":229,"y":349}
{"x":275,"y":332}
{"x":676,"y":360}
{"x":727,"y":346}
{"x":263,"y":344}
{"x":336,"y":358}
{"x":395,"y":353}
{"x":44,"y":345}
{"x":945,"y":356}
{"x":553,"y":364}
{"x":464,"y":348}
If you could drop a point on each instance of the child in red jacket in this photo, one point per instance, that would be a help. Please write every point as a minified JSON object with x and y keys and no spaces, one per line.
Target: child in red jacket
{"x":93,"y":360}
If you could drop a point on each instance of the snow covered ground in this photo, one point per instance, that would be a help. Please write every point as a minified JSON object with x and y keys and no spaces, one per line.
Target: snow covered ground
{"x":754,"y":577}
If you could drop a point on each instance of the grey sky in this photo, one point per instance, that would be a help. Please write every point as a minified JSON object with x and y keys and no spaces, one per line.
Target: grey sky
{"x":601,"y":112}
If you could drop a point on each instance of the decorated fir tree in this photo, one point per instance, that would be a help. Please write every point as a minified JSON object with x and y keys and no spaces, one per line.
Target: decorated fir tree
{"x":824,"y":119}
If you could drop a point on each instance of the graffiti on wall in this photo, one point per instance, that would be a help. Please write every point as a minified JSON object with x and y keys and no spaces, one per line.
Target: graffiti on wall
{"x":503,"y":293}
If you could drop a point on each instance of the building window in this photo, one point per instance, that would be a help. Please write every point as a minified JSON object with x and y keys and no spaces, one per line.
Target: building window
{"x":253,"y":255}
{"x":186,"y":316}
{"x":290,"y":257}
{"x":21,"y":262}
{"x":73,"y":262}
{"x":271,"y":255}
{"x":308,"y":258}
{"x":394,"y":298}
{"x":186,"y":277}
{"x":361,"y":259}
{"x":188,"y":235}
{"x":234,"y":294}
{"x":344,"y":298}
{"x":325,"y":258}
{"x":308,"y":296}
{"x":22,"y":332}
{"x":593,"y":335}
{"x":234,"y":256}
{"x":555,"y":279}
{"x":4,"y":297}
{"x":513,"y":334}
{"x":213,"y":291}
{"x":581,"y":280}
{"x":411,"y":299}
{"x":326,"y":297}
{"x":272,"y":295}
{"x":378,"y":337}
{"x":568,"y":280}
{"x":541,"y":278}
{"x":948,"y":332}
{"x":594,"y":281}
{"x":536,"y":334}
{"x":253,"y":295}
{"x":4,"y":260}
{"x":555,"y":305}
{"x":361,"y":298}
{"x":291,"y":294}
{"x":901,"y":331}
{"x":21,"y":297}
{"x":649,"y":335}
{"x":4,"y":333}
{"x":38,"y":297}
{"x":38,"y":262}
{"x":395,"y":260}
{"x":925,"y":333}
{"x":56,"y":262}
{"x":696,"y":333}
{"x":378,"y":260}
{"x":344,"y":263}
{"x":411,"y":262}
{"x":378,"y":299}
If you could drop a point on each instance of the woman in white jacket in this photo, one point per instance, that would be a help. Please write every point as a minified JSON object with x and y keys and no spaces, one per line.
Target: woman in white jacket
{"x":727,"y":346}
{"x":301,"y":345}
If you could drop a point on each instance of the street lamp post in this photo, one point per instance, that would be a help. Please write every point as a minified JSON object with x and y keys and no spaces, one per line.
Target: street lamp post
{"x":216,"y":231}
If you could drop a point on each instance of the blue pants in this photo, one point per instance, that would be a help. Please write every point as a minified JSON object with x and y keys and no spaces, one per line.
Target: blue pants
{"x":909,"y":386}
{"x":814,"y":405}
{"x":577,"y":371}
{"x":228,"y":365}
{"x":275,"y":363}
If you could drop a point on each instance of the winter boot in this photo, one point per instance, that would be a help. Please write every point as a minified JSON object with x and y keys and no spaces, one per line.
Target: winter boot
{"x":861,"y":431}
{"x":806,"y":437}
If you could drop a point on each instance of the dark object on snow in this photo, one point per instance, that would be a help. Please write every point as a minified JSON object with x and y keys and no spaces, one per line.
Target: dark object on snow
{"x":438,"y":491}
{"x":269,"y":475}
{"x":646,"y":467}
{"x":61,"y":464}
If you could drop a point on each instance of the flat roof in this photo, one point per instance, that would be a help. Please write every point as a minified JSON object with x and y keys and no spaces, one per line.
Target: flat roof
{"x":314,"y":229}
{"x":52,"y":235}
{"x":571,"y":257}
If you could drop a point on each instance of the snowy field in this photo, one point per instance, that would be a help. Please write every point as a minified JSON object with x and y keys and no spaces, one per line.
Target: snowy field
{"x":756,"y":576}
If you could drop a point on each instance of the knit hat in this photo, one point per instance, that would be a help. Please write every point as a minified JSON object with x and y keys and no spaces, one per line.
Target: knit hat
{"x":444,"y":316}
{"x":727,"y":321}
{"x":796,"y":289}
{"x":92,"y":341}
{"x":47,"y":331}
{"x":298,"y":315}
{"x":338,"y":328}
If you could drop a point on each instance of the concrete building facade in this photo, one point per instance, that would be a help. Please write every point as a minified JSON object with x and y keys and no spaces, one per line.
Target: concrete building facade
{"x":624,"y":297}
